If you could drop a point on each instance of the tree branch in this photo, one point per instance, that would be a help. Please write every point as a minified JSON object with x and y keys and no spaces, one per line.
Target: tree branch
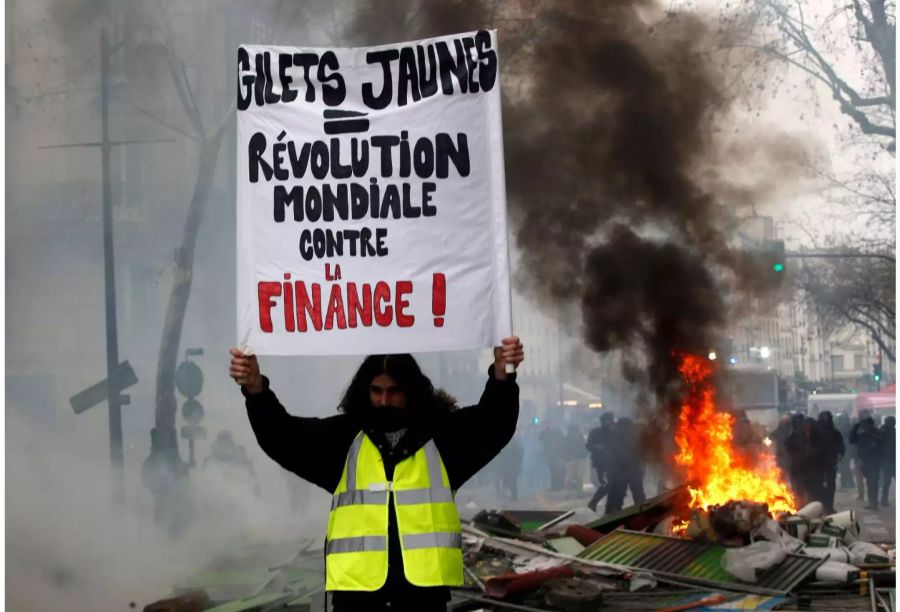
{"x":179,"y":76}
{"x":848,"y":98}
{"x":155,"y":117}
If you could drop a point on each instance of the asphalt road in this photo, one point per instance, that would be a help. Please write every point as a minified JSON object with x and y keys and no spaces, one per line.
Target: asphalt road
{"x":877,"y":526}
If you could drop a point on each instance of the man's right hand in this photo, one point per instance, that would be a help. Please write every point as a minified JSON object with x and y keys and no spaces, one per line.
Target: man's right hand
{"x":245,"y":371}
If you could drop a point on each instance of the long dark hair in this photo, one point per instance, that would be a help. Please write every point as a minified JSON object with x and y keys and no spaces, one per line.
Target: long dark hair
{"x":420,"y":395}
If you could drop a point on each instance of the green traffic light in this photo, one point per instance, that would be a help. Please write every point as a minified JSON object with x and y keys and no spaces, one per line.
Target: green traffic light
{"x":779,"y":267}
{"x":877,"y":377}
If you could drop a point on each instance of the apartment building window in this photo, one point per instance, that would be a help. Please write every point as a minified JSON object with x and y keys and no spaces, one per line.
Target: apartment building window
{"x":858,"y":362}
{"x":837,"y":363}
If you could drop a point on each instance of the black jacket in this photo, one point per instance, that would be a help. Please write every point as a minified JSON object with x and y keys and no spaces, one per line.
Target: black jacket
{"x":832,"y":446}
{"x":889,"y":447}
{"x":316,"y":449}
{"x":600,"y":443}
{"x":869,"y":446}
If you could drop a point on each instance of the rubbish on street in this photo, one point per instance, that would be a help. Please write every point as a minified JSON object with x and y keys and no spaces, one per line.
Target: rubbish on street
{"x":734,"y":556}
{"x":748,"y":562}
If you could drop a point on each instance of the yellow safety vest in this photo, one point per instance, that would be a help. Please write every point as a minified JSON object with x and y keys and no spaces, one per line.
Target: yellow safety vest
{"x":356,"y":548}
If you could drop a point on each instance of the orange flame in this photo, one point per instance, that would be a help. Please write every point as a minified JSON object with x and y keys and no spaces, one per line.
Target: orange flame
{"x":707,"y":457}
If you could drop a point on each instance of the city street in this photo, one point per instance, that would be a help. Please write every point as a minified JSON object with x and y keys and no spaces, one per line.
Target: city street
{"x":880,"y":526}
{"x":290,"y":282}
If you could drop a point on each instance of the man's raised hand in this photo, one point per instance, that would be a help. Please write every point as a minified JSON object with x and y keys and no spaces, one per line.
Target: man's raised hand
{"x":245,"y":371}
{"x":511,"y":351}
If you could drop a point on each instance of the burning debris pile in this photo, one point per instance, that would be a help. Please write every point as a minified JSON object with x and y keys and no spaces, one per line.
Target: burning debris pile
{"x":732,"y":537}
{"x":731,"y":492}
{"x":706,"y":454}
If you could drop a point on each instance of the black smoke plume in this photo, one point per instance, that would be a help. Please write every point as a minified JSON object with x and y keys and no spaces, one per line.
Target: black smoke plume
{"x":610,"y":117}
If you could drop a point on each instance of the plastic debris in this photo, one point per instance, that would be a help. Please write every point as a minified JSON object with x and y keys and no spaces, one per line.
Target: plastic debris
{"x":839,"y":553}
{"x":812,"y":510}
{"x":747,"y":562}
{"x":837,"y":572}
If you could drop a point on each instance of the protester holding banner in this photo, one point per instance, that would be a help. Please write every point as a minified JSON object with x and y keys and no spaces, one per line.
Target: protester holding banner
{"x":371,"y":218}
{"x":393,"y":460}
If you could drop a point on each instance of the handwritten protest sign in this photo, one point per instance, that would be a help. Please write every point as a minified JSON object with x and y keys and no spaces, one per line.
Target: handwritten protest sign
{"x":371,"y":198}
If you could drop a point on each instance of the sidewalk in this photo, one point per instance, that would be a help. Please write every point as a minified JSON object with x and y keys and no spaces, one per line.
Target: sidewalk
{"x":877,"y":526}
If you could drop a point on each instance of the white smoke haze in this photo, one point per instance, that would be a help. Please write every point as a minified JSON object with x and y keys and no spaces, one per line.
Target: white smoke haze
{"x":68,"y":546}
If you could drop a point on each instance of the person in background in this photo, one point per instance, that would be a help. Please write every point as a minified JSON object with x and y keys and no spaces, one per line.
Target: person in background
{"x":888,"y":457}
{"x":857,"y":462}
{"x":793,"y":448}
{"x":869,"y":445}
{"x":535,"y":476}
{"x":575,"y":456}
{"x":845,"y":469}
{"x":804,"y":449}
{"x":231,"y":462}
{"x":746,"y":439}
{"x":832,"y":452}
{"x":626,"y":467}
{"x":553,"y":444}
{"x":599,"y":445}
{"x":509,"y":468}
{"x":779,"y":438}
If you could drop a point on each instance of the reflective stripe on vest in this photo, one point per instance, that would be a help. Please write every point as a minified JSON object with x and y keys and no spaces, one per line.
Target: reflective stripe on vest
{"x":353,"y":496}
{"x":427,"y":521}
{"x":352,"y":459}
{"x":403,"y":498}
{"x":358,"y":498}
{"x":358,"y":544}
{"x":432,"y":540}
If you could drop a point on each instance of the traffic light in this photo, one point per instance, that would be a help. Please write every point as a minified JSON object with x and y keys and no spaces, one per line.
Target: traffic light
{"x":876,"y":371}
{"x":778,"y":257}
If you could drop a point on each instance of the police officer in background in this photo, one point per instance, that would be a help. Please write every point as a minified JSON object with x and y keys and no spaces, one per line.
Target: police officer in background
{"x":393,"y":460}
{"x":599,"y":444}
{"x":888,"y":457}
{"x":832,"y":453}
{"x":625,"y":467}
{"x":869,"y":446}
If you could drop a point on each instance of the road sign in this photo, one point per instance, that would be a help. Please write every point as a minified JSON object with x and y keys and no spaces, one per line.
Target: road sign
{"x":123,"y":378}
{"x":189,"y":379}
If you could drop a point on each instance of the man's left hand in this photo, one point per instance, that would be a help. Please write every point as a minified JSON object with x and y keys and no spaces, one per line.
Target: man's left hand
{"x":511,"y":351}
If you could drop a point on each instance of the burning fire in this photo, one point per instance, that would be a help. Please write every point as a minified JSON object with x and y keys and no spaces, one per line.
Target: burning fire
{"x":707,"y":458}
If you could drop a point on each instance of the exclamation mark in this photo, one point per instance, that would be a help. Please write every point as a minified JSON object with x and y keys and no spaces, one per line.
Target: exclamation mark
{"x":439,"y":299}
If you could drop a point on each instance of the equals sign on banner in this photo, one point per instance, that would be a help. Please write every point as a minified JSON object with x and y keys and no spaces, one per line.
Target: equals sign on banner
{"x":345,"y":122}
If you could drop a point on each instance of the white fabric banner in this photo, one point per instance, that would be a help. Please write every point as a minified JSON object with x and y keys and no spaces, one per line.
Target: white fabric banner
{"x":371,"y":198}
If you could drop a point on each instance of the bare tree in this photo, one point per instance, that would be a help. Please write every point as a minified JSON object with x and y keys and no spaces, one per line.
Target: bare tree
{"x":856,"y":291}
{"x":208,"y":136}
{"x":847,"y":49}
{"x":869,"y":28}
